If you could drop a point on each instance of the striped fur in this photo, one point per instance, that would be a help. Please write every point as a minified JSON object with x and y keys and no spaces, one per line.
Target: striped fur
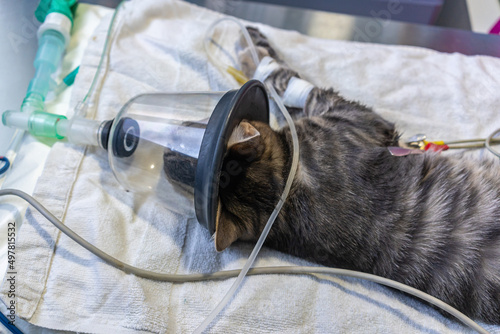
{"x":430,"y":221}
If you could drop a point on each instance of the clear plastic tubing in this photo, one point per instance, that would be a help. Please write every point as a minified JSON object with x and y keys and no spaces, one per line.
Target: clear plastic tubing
{"x":32,"y":116}
{"x":102,"y":67}
{"x":295,"y":161}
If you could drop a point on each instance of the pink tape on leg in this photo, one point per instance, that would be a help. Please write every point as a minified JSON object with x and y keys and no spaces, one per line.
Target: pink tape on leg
{"x":496,"y":28}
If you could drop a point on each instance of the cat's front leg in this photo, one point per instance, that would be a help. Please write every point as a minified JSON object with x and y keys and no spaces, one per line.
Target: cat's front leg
{"x":278,"y":74}
{"x":271,"y":69}
{"x":261,"y":45}
{"x":179,"y":169}
{"x":303,"y":99}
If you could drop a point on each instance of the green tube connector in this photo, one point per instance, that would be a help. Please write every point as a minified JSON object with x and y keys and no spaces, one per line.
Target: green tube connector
{"x":38,"y":123}
{"x":45,"y":125}
{"x":48,"y":57}
{"x":33,"y":102}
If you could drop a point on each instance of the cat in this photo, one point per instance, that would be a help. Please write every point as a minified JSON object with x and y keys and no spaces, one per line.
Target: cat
{"x":429,"y":221}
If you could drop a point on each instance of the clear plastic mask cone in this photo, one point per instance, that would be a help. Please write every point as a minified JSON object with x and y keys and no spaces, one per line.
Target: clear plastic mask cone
{"x":171,"y":145}
{"x":155,"y":142}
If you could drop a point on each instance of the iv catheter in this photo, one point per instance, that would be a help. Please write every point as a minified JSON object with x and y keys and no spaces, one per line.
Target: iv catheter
{"x":97,"y":135}
{"x":420,"y":141}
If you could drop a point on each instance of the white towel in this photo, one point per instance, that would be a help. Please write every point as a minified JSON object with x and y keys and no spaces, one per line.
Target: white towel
{"x":159,"y":48}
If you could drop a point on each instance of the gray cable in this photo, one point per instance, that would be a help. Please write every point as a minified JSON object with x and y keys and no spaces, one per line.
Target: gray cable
{"x":475,"y":143}
{"x":233,"y":273}
{"x":490,"y":141}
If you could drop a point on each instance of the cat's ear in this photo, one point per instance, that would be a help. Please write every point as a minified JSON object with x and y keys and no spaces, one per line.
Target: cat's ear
{"x":245,"y":141}
{"x":226,"y":232}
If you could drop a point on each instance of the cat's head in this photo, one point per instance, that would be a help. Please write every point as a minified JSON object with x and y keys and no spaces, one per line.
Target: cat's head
{"x":251,"y":181}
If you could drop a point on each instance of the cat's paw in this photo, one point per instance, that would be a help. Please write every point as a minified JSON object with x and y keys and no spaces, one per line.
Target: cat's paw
{"x":247,"y":62}
{"x":261,"y":43}
{"x":179,"y":168}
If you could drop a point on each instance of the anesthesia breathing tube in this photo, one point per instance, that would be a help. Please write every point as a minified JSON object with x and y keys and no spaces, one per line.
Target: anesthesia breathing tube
{"x":193,"y":129}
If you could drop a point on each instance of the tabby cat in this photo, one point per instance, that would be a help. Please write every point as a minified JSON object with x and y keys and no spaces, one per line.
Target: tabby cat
{"x":430,"y":221}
